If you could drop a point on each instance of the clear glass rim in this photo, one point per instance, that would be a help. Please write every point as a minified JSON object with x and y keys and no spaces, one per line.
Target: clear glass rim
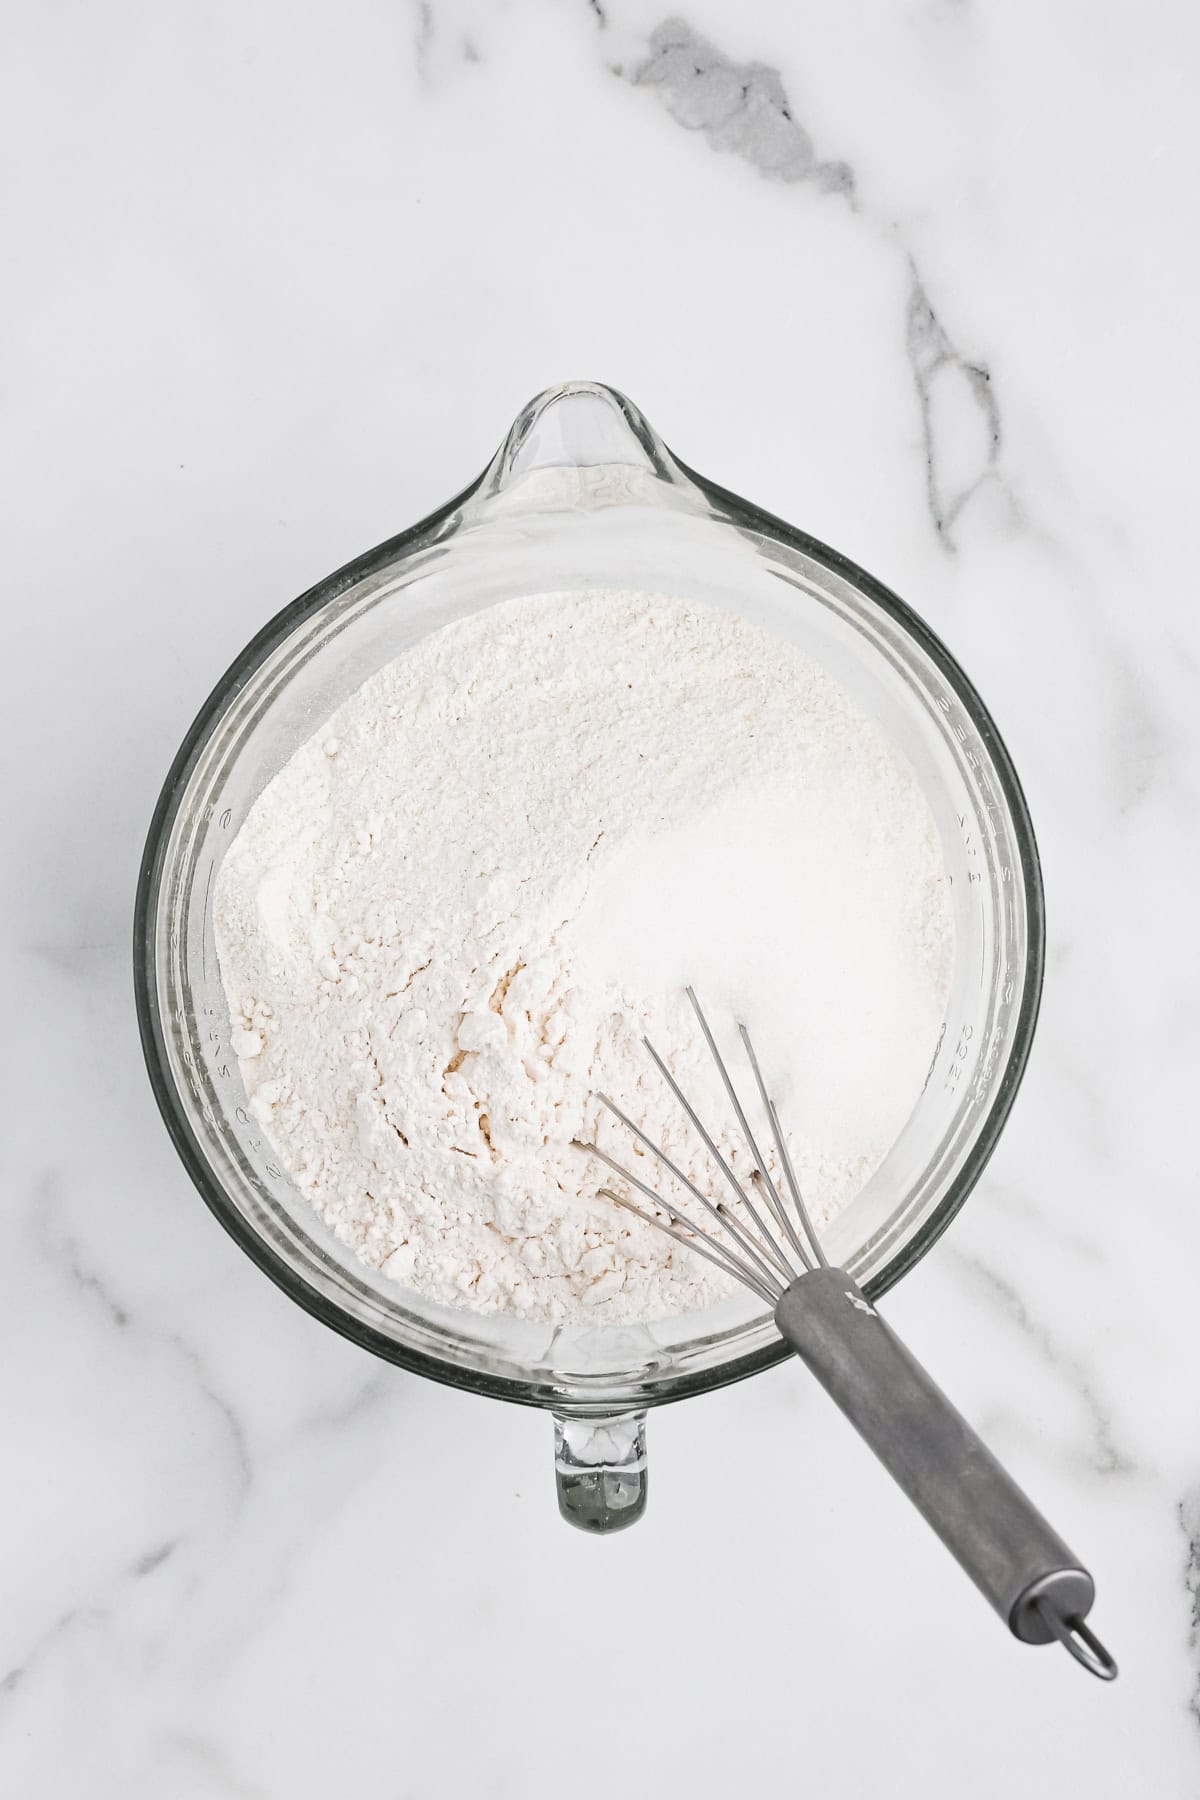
{"x":742,"y":515}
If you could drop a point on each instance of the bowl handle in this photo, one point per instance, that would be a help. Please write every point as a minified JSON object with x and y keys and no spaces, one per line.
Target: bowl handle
{"x":600,"y":1470}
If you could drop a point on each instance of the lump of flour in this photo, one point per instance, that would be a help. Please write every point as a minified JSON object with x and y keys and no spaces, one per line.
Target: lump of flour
{"x":448,"y":921}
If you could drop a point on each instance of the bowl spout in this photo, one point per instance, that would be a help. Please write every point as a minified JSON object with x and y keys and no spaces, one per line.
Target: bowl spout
{"x":580,"y":425}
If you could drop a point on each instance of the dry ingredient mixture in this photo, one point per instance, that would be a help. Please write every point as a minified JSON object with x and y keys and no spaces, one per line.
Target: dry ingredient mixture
{"x":447,"y":922}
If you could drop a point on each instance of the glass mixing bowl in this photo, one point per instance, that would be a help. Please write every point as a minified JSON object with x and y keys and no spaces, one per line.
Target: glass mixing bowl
{"x":583,"y":494}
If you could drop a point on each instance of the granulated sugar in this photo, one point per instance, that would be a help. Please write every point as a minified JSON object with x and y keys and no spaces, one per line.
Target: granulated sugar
{"x":448,"y":921}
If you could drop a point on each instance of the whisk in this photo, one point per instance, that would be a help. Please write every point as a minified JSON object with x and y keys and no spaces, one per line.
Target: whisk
{"x":766,"y":1239}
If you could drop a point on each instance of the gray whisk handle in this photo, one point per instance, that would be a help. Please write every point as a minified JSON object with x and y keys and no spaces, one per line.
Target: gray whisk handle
{"x":1019,"y":1563}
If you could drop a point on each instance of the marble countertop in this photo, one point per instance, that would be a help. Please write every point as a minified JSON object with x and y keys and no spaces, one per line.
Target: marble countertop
{"x":919,"y":278}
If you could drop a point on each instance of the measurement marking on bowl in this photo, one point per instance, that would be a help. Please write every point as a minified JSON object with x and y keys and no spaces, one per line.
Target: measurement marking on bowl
{"x":987,"y":1067}
{"x":961,"y":1055}
{"x":207,"y":914}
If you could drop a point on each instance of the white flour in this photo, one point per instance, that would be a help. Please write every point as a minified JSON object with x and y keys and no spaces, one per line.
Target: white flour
{"x":449,"y":919}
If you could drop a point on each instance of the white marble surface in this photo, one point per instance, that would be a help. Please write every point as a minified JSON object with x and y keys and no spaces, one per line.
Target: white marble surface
{"x":920,"y":278}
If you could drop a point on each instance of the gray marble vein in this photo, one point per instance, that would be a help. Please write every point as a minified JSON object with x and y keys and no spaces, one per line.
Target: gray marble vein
{"x":75,"y":1617}
{"x":80,"y":957}
{"x":70,"y":1260}
{"x":1137,"y":741}
{"x":739,"y":107}
{"x":744,"y":108}
{"x":423,"y":38}
{"x":1189,"y":1519}
{"x":958,"y":462}
{"x":204,"y":1759}
{"x":64,"y":1251}
{"x":235,"y":1431}
{"x":1107,"y":1457}
{"x":78,"y":1617}
{"x":325,"y":1421}
{"x":154,"y":1559}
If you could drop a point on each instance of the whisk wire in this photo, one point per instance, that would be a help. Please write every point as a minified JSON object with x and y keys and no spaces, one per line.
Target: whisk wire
{"x":802,"y":1213}
{"x":770,"y":1192}
{"x":755,"y":1256}
{"x":738,"y":1231}
{"x":712,"y":1251}
{"x":777,"y":1255}
{"x":785,"y":1161}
